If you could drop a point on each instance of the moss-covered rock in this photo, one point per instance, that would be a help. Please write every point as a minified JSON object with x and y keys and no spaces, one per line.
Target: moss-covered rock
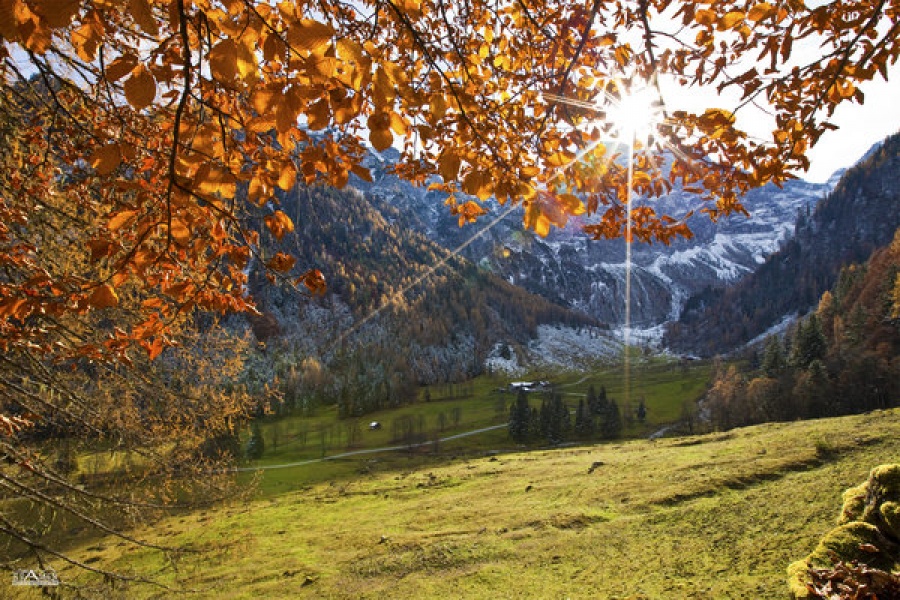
{"x":854,"y":504}
{"x":867,"y":530}
{"x":890,"y":512}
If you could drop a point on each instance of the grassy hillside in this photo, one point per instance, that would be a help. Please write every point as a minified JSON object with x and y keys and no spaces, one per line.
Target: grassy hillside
{"x":714,"y":516}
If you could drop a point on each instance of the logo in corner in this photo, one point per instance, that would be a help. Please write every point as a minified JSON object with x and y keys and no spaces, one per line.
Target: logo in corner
{"x":35,"y":577}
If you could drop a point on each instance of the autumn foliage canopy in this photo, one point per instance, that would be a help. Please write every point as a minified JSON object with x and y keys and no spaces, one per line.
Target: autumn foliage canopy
{"x":164,"y":126}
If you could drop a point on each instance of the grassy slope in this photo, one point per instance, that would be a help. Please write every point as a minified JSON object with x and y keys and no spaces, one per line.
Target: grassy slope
{"x":716,"y":516}
{"x":664,"y":386}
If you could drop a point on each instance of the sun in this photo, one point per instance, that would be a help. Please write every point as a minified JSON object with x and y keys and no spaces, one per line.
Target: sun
{"x":635,"y":115}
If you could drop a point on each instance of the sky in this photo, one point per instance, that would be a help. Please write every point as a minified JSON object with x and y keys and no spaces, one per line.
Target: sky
{"x":860,"y":128}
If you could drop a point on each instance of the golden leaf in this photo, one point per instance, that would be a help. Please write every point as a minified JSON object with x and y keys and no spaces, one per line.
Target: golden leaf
{"x":478,"y":183}
{"x":314,"y":281}
{"x":223,"y":60}
{"x":103,"y":296}
{"x":287,"y":177}
{"x":140,"y":88}
{"x":36,"y":34}
{"x":383,"y":92}
{"x":398,"y":124}
{"x":8,"y":29}
{"x":380,"y":131}
{"x":310,"y":35}
{"x":106,"y":159}
{"x":731,"y":19}
{"x":120,"y":219}
{"x":86,"y":39}
{"x":705,"y":17}
{"x":281,"y":262}
{"x":448,"y":165}
{"x":143,"y":16}
{"x":262,"y":98}
{"x":279,"y":224}
{"x":213,"y":179}
{"x":760,"y":11}
{"x":58,"y":13}
{"x":247,"y":66}
{"x":361,"y":172}
{"x":318,"y":116}
{"x":180,"y":232}
{"x":438,"y":107}
{"x":120,"y":67}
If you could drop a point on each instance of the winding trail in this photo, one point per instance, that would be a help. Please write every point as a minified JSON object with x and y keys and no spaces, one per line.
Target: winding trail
{"x":367,"y":451}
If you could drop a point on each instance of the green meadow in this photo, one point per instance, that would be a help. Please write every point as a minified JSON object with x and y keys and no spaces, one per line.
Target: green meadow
{"x":713,"y":516}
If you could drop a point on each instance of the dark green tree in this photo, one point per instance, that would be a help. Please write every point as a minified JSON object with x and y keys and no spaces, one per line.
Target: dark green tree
{"x":809,"y":344}
{"x":610,"y":421}
{"x":773,"y":361}
{"x":519,"y":418}
{"x":256,"y":447}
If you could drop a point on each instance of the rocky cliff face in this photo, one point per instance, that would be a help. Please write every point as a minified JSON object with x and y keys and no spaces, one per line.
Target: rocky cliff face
{"x":859,"y":216}
{"x":576,"y":272}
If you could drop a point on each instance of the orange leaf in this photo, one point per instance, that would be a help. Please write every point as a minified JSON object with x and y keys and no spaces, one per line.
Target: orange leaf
{"x":140,"y":88}
{"x":58,"y":13}
{"x":380,"y":131}
{"x":279,"y":224}
{"x":106,"y":159}
{"x":120,"y":219}
{"x":247,"y":66}
{"x":288,"y":177}
{"x":318,"y":115}
{"x":181,"y":233}
{"x":731,"y":19}
{"x":448,"y":166}
{"x":281,"y":262}
{"x":705,"y":17}
{"x":103,"y":297}
{"x":143,"y":16}
{"x":361,"y":172}
{"x":314,"y":281}
{"x":760,"y":11}
{"x":120,"y":67}
{"x":223,"y":60}
{"x":478,"y":183}
{"x":310,"y":35}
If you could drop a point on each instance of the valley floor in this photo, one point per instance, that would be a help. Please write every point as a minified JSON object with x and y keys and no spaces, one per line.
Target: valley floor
{"x":707,"y":517}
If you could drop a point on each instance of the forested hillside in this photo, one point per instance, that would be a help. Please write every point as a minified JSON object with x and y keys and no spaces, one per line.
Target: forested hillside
{"x":399,"y":311}
{"x":845,"y":227}
{"x":843,"y":358}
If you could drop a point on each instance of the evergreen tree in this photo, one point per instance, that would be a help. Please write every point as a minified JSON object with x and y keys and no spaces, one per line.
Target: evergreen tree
{"x":809,"y":345}
{"x":519,"y":418}
{"x":642,"y":411}
{"x":256,"y":447}
{"x":773,"y":362}
{"x":611,"y":421}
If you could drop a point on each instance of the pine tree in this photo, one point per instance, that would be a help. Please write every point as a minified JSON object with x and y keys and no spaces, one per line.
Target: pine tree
{"x":642,"y":411}
{"x":611,"y":421}
{"x":810,"y":344}
{"x":519,"y":418}
{"x":256,"y":447}
{"x":773,"y":362}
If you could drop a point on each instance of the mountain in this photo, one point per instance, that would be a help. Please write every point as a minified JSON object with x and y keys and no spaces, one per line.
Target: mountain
{"x":400,"y":309}
{"x":857,"y":217}
{"x":571,"y":270}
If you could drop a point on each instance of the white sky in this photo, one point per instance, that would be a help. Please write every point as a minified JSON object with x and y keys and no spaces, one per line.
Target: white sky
{"x":861,"y":126}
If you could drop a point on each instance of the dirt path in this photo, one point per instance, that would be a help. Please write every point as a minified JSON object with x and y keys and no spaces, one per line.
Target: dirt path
{"x":368,"y":451}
